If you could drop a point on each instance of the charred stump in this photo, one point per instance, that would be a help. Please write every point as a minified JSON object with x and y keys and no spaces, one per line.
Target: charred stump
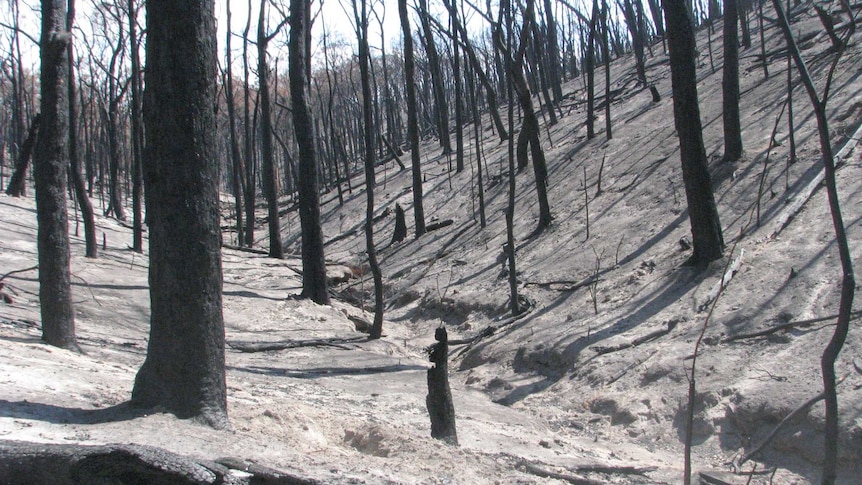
{"x":439,"y":399}
{"x":400,"y":225}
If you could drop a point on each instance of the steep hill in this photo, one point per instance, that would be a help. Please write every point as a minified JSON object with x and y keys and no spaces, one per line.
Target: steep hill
{"x":589,"y":384}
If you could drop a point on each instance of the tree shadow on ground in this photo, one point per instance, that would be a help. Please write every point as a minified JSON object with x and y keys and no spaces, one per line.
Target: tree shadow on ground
{"x":69,"y":415}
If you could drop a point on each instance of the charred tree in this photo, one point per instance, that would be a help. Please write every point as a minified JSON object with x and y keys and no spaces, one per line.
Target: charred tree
{"x":267,"y":154}
{"x":440,"y":104}
{"x":439,"y":399}
{"x":730,"y":84}
{"x":137,"y":133}
{"x":237,"y":170}
{"x":707,"y":238}
{"x":848,"y":280}
{"x":50,"y":165}
{"x":360,"y":14}
{"x":91,"y":244}
{"x":184,"y":371}
{"x":412,"y":118}
{"x":18,"y":182}
{"x":313,"y":260}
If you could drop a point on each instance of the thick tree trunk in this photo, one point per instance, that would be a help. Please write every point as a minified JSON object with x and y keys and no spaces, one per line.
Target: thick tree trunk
{"x":707,"y":238}
{"x":730,"y":84}
{"x":313,"y":261}
{"x":184,"y":370}
{"x":50,"y":165}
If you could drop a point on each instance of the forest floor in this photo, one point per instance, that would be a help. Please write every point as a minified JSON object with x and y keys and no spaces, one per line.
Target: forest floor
{"x":590,"y":382}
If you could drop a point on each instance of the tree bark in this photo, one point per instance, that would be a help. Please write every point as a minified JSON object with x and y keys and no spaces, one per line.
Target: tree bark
{"x":137,"y":133}
{"x":439,"y":398}
{"x":313,"y":260}
{"x":730,"y":84}
{"x":91,"y":244}
{"x":18,"y":182}
{"x":184,"y":370}
{"x":50,"y":165}
{"x":707,"y":238}
{"x":270,"y":171}
{"x":442,"y":110}
{"x":360,"y":12}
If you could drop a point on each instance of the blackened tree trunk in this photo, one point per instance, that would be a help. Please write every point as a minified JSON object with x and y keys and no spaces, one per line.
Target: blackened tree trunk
{"x":50,"y":163}
{"x":439,"y":398}
{"x":490,"y":91}
{"x":267,"y":155}
{"x":90,"y":242}
{"x":441,"y":107}
{"x":412,"y":118}
{"x":631,"y":16}
{"x":607,"y":53}
{"x":18,"y":182}
{"x":730,"y":84}
{"x":360,"y":14}
{"x":137,"y":133}
{"x":590,"y":62}
{"x":707,"y":238}
{"x":459,"y":99}
{"x":237,"y":169}
{"x":553,"y":49}
{"x":313,"y":260}
{"x":848,"y":279}
{"x":248,"y":138}
{"x":184,"y":370}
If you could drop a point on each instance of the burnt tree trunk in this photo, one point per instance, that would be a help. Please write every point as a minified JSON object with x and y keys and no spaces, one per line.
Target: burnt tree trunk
{"x":439,"y":399}
{"x":313,"y":260}
{"x":267,"y":154}
{"x":91,"y":244}
{"x":184,"y":371}
{"x":412,"y":118}
{"x":707,"y":238}
{"x":50,"y":165}
{"x":730,"y":84}
{"x":440,"y":104}
{"x":361,"y":18}
{"x":18,"y":182}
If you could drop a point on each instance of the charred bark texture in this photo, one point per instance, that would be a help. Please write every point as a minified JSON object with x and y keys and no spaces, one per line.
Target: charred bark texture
{"x":313,"y":260}
{"x":439,"y":399}
{"x":50,"y":165}
{"x":184,"y":370}
{"x":707,"y":237}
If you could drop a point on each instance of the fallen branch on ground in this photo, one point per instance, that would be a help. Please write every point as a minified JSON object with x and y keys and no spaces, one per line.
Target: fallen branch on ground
{"x":671,"y":324}
{"x":248,"y":347}
{"x":568,"y":285}
{"x":245,"y":249}
{"x":543,"y":472}
{"x":728,"y":275}
{"x":785,"y":326}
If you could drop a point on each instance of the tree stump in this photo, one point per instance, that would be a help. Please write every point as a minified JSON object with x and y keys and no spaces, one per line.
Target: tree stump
{"x":439,"y":399}
{"x":400,"y":225}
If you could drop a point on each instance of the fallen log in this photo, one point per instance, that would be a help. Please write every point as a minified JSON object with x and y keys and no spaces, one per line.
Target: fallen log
{"x":249,"y":347}
{"x":24,"y":462}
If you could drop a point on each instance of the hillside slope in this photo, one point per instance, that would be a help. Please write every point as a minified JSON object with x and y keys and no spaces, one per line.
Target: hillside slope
{"x":579,"y":386}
